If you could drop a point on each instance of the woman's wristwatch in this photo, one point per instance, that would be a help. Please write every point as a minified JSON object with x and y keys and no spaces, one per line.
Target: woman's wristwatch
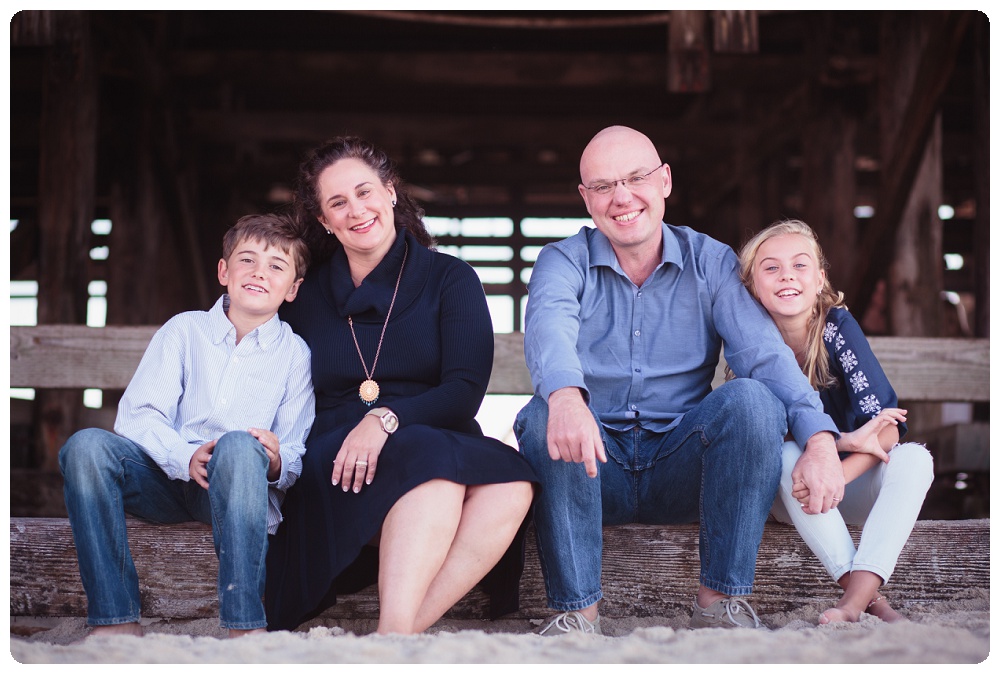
{"x":386,"y":417}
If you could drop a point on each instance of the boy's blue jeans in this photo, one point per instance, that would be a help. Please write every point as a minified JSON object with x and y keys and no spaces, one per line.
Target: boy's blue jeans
{"x":720,"y":466}
{"x":107,"y":476}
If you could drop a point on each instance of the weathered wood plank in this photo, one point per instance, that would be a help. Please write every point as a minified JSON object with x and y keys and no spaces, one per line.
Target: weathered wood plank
{"x":76,"y":356}
{"x":647,"y":571}
{"x":920,"y":368}
{"x":936,"y":368}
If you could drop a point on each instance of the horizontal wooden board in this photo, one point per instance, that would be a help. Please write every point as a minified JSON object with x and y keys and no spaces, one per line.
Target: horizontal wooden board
{"x":74,"y":356}
{"x":648,"y":571}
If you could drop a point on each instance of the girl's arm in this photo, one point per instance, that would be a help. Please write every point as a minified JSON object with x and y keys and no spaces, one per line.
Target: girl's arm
{"x":881,"y":432}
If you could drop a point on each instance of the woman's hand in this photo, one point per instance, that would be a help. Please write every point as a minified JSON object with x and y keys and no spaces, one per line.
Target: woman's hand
{"x":357,"y":459}
{"x":865,"y":440}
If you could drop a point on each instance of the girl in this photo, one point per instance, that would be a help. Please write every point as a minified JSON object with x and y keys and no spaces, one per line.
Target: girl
{"x":784,"y":268}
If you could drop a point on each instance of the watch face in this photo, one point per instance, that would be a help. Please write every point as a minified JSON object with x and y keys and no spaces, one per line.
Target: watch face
{"x":390,"y":422}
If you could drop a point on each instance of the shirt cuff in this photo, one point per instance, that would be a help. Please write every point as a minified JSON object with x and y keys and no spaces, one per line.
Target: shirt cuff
{"x":179,"y":462}
{"x":808,"y":424}
{"x":562,"y":379}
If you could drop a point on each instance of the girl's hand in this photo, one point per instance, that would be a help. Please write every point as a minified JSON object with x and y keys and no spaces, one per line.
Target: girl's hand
{"x":357,"y":459}
{"x":865,"y":440}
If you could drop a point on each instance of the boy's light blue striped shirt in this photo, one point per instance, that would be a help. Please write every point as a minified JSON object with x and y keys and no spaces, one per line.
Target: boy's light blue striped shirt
{"x":194,"y":383}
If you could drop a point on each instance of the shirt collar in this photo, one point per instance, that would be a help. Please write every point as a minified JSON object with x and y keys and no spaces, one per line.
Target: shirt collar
{"x":221,"y":327}
{"x":603,"y":254}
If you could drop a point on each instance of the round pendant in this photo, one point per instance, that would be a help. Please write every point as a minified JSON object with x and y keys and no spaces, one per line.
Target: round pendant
{"x":368,"y":391}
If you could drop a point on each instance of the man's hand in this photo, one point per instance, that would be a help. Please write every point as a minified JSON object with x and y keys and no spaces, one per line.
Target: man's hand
{"x":818,"y":475}
{"x":572,"y":433}
{"x":198,"y":467}
{"x":271,"y":446}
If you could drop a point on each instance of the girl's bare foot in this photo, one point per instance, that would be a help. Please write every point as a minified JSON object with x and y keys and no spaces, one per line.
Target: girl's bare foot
{"x":881,"y":609}
{"x":838,"y":615}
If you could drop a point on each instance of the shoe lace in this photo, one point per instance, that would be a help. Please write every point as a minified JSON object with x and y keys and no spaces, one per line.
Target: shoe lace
{"x":570,"y":621}
{"x":736,"y":606}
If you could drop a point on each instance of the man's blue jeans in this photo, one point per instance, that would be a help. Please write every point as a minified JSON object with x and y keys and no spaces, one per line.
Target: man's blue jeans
{"x":107,"y":476}
{"x":720,"y":466}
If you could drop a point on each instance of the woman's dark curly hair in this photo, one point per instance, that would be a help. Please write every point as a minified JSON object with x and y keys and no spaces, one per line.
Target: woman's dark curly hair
{"x":407,"y":213}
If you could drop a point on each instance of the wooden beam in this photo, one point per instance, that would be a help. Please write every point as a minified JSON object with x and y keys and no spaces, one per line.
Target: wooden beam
{"x":920,"y":368}
{"x":900,"y":166}
{"x":736,"y":31}
{"x":67,"y":178}
{"x":687,"y":52}
{"x":981,"y":172}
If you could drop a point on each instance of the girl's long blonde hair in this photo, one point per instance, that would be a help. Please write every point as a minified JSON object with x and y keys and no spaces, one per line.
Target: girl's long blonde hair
{"x":816,"y":366}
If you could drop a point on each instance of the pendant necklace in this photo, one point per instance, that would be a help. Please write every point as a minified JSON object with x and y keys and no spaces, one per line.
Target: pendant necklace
{"x":369,"y":391}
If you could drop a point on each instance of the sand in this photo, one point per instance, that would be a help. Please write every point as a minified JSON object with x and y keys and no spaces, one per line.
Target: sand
{"x":957,"y":631}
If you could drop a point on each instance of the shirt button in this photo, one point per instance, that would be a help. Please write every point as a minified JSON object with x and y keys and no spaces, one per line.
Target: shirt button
{"x":639,"y":294}
{"x":638,"y":369}
{"x":635,"y":407}
{"x":224,"y":401}
{"x":636,"y":333}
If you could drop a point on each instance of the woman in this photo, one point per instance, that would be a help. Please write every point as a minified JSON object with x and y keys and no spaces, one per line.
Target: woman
{"x":784,"y":268}
{"x":402,"y":349}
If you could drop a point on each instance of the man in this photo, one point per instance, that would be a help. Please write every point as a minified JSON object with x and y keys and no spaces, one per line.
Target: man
{"x":623,"y":330}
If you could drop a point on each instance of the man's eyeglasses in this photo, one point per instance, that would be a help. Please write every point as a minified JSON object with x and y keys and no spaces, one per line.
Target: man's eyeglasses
{"x":631,"y":183}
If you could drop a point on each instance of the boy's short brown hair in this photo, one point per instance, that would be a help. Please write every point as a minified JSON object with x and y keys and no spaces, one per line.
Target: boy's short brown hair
{"x":275,"y":230}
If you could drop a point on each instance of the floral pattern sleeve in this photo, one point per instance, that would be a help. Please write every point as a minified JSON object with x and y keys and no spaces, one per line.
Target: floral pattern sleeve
{"x":862,"y":389}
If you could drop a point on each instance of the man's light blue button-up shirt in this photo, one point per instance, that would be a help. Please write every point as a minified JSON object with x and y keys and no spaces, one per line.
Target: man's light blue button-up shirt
{"x":646,"y":355}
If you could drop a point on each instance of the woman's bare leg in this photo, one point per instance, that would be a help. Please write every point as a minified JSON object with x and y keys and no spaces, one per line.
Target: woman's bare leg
{"x":491,"y":516}
{"x":416,"y":537}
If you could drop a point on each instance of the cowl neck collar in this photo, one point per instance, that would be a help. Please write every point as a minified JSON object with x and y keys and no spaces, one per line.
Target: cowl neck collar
{"x":372,"y":298}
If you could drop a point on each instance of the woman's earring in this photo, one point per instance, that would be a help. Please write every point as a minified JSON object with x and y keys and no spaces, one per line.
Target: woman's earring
{"x":393,"y":203}
{"x":329,"y":232}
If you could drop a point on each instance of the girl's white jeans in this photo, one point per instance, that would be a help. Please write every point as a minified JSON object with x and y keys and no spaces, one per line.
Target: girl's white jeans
{"x":886,"y":500}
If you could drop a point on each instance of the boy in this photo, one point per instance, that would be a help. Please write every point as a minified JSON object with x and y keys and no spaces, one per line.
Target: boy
{"x":212,"y":428}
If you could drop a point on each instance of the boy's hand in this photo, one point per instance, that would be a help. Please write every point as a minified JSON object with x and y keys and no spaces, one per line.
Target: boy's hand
{"x":271,"y":446}
{"x":198,"y":468}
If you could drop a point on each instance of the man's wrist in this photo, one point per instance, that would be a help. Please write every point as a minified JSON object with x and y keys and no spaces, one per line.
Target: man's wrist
{"x":566,"y":394}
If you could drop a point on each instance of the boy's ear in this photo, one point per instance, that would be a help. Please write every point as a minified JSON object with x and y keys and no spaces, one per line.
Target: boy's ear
{"x":223,"y":272}
{"x":294,"y":290}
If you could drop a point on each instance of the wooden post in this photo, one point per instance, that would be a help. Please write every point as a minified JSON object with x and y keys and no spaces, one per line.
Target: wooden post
{"x":981,"y":170}
{"x":68,"y":138}
{"x":687,"y":62}
{"x":735,"y":31}
{"x":904,"y":138}
{"x":915,"y":263}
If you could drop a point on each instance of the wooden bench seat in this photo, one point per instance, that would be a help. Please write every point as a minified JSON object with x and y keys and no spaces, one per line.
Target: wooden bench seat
{"x":647,"y":570}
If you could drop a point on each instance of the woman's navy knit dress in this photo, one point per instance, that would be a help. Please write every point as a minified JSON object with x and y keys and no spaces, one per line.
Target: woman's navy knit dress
{"x":433,"y":370}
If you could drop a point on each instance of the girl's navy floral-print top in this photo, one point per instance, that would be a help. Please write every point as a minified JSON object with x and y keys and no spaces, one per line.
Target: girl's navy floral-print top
{"x":862,"y":390}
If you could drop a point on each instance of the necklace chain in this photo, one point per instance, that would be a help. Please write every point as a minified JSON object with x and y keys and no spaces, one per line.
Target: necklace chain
{"x":369,"y":389}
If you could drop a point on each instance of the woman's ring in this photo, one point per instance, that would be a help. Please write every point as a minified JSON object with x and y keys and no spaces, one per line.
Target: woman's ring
{"x":365,"y":463}
{"x":835,"y":498}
